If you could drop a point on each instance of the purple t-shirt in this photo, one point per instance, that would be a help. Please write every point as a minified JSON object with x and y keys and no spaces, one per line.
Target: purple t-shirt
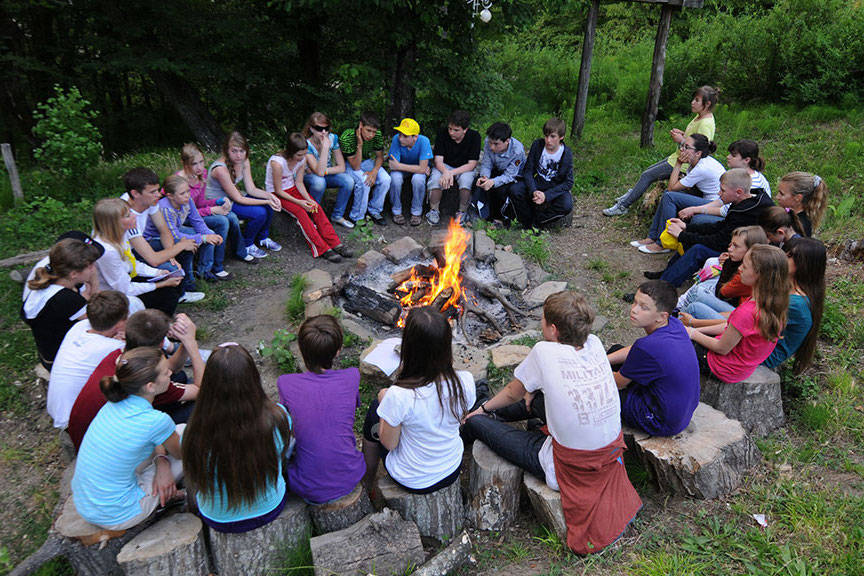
{"x":326,"y":464}
{"x":665,"y":388}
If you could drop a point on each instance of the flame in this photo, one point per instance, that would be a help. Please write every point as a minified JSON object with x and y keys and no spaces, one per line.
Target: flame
{"x":446,"y":277}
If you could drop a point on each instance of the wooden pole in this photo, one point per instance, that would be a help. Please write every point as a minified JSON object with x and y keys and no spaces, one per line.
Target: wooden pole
{"x":585,"y":70}
{"x":9,"y":161}
{"x":657,"y":65}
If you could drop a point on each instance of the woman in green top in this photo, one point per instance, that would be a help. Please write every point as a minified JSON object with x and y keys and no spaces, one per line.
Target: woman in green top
{"x":704,"y":100}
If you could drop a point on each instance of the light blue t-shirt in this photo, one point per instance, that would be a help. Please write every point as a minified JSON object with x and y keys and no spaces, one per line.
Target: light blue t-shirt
{"x":216,"y":508}
{"x":422,"y":150}
{"x":334,"y":145}
{"x":122,"y":435}
{"x":799,"y":320}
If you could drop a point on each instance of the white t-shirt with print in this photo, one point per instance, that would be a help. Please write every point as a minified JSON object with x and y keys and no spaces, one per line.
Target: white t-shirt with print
{"x":429,"y":448}
{"x":549,"y":162}
{"x":141,"y":218}
{"x":583,"y":410}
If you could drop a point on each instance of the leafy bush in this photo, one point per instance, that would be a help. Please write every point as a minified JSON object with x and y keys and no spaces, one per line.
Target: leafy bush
{"x":279,"y":349}
{"x":36,"y":223}
{"x":70,"y":142}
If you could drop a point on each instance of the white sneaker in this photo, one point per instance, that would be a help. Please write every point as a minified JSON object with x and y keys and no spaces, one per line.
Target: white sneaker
{"x":344,"y":222}
{"x":189,"y":297}
{"x":617,"y":209}
{"x":269,"y":244}
{"x":255,"y":252}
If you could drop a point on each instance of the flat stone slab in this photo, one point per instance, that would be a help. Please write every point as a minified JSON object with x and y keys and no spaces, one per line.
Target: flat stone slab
{"x":370,"y":260}
{"x":484,"y":247}
{"x":472,"y":359}
{"x":708,"y":459}
{"x":546,"y":504}
{"x":319,"y":283}
{"x":402,"y":249}
{"x":356,"y":328}
{"x":755,"y":402}
{"x":323,"y":305}
{"x":509,"y":355}
{"x":537,"y":296}
{"x":510,"y":269}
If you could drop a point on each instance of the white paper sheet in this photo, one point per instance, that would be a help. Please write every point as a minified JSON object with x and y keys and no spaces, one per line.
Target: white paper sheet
{"x":385,"y":357}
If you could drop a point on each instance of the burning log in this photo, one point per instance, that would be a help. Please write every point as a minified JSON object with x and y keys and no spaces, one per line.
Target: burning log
{"x":418,"y":271}
{"x":372,"y":304}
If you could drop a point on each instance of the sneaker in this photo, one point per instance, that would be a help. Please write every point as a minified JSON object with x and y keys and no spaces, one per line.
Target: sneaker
{"x":378,"y":219}
{"x":415,"y":220}
{"x":462,"y":219}
{"x":189,"y":297}
{"x":617,"y":209}
{"x":222,"y":275}
{"x":332,"y":256}
{"x":249,"y":258}
{"x":343,"y":222}
{"x":271,"y":245}
{"x":399,"y":219}
{"x":255,"y":252}
{"x":433,"y":217}
{"x":343,"y":251}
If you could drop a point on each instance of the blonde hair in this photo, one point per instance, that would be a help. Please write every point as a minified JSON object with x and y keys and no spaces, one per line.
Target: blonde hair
{"x":175,"y":184}
{"x":737,"y":178}
{"x":813,"y":191}
{"x":188,"y":154}
{"x":752,"y":235}
{"x":771,"y":291}
{"x":107,"y":216}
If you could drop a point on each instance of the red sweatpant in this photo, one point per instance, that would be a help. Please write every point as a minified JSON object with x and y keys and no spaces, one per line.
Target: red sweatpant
{"x":316,"y":227}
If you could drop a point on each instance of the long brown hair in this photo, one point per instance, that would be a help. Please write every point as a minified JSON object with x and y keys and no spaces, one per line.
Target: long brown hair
{"x":135,"y":369}
{"x":427,"y":357}
{"x":234,"y":138}
{"x":810,"y":257}
{"x":228,"y":443}
{"x":316,"y":119}
{"x":813,"y":191}
{"x":771,"y":291}
{"x":66,"y":256}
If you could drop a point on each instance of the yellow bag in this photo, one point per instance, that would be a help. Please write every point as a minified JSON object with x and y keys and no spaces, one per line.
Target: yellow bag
{"x":670,"y":242}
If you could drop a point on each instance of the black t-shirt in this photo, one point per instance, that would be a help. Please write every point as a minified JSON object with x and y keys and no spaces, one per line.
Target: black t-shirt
{"x":454,"y":154}
{"x":53,"y":322}
{"x":805,"y":223}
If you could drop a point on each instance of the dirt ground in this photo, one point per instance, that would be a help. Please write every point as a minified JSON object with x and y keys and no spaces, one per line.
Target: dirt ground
{"x":592,"y":256}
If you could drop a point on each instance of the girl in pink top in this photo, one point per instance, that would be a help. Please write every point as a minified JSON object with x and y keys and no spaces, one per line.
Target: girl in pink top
{"x":751,"y":333}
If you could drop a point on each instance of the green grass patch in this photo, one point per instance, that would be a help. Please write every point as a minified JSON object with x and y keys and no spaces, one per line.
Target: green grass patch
{"x":296,"y":308}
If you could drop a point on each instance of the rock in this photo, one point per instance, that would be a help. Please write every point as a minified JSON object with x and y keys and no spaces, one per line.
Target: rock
{"x":600,"y":322}
{"x":356,"y":328}
{"x":41,"y":373}
{"x":484,"y":247}
{"x":493,"y":490}
{"x":319,"y":283}
{"x":536,"y":335}
{"x":18,"y":276}
{"x":371,"y":373}
{"x":510,"y":269}
{"x":509,"y":355}
{"x":546,"y":504}
{"x":448,"y":560}
{"x":537,"y":296}
{"x":470,"y":358}
{"x":402,"y":249}
{"x":438,"y":515}
{"x":323,"y":305}
{"x":172,"y":546}
{"x":342,"y":513}
{"x":755,"y":402}
{"x":381,"y":543}
{"x":370,"y":260}
{"x":258,"y":551}
{"x":708,"y":459}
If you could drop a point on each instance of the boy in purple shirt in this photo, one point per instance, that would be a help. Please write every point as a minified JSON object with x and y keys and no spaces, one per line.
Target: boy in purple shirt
{"x":658,"y":379}
{"x":326,"y":464}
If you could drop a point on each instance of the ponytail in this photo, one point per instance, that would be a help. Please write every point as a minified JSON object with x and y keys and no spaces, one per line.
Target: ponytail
{"x":777,"y":217}
{"x":135,"y":369}
{"x":66,"y":256}
{"x":813,"y":191}
{"x":748,"y":149}
{"x":702,"y":145}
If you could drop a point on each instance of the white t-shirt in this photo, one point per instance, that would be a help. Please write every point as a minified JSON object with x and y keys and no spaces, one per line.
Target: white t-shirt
{"x":583,"y":411}
{"x":549,"y":162}
{"x":289,"y":177}
{"x":706,"y":177}
{"x":429,"y":448}
{"x":140,"y":217}
{"x":78,"y":356}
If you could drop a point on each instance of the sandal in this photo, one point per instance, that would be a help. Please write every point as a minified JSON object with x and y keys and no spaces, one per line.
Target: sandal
{"x":399,"y":219}
{"x":415,"y":220}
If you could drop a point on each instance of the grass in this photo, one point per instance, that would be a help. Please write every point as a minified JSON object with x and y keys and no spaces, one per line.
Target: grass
{"x":296,"y":307}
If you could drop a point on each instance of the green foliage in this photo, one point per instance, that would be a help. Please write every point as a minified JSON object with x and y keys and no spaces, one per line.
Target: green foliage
{"x":70,"y":143}
{"x":296,"y":307}
{"x":296,"y":561}
{"x":534,"y":245}
{"x":36,"y":223}
{"x":363,"y":233}
{"x":279,"y":349}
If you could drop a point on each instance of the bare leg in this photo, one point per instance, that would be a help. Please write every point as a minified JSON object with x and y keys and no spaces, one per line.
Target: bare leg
{"x":434,"y":198}
{"x":464,"y":199}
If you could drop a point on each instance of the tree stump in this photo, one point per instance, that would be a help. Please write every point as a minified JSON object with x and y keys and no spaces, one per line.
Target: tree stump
{"x":381,"y":543}
{"x":708,"y":459}
{"x":342,"y":513}
{"x":493,"y":489}
{"x":256,"y":552}
{"x":172,"y":546}
{"x":438,"y":515}
{"x":755,"y":402}
{"x":546,"y":504}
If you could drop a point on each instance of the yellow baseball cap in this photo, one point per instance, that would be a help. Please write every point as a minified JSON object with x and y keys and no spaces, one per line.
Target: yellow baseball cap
{"x":408,"y":127}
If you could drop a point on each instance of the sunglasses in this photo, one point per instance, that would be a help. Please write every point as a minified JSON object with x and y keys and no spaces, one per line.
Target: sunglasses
{"x":320,"y":128}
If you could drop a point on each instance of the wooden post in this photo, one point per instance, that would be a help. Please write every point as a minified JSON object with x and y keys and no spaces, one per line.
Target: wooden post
{"x":585,"y":70}
{"x":9,"y":161}
{"x":657,"y":65}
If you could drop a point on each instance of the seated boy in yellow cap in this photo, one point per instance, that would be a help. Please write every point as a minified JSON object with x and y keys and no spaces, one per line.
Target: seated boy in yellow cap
{"x":410,"y":153}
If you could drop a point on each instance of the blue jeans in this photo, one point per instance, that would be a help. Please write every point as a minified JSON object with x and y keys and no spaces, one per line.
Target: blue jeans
{"x":362,"y":202}
{"x":701,"y":301}
{"x":316,"y":185}
{"x":670,"y":204}
{"x":185,"y":260}
{"x":705,"y":311}
{"x":231,"y":226}
{"x":207,"y":253}
{"x":418,"y":190}
{"x":680,"y":268}
{"x":659,"y":171}
{"x":257,"y":221}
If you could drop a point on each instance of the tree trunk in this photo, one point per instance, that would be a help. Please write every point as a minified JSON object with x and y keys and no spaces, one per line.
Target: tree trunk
{"x":403,"y":93}
{"x":493,"y":490}
{"x":658,"y":63}
{"x":173,"y":546}
{"x":185,"y":100}
{"x":585,"y":70}
{"x":438,"y":515}
{"x":342,"y":513}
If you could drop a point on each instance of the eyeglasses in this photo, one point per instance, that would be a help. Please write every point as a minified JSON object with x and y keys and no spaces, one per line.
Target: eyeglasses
{"x":684,"y":146}
{"x":320,"y":128}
